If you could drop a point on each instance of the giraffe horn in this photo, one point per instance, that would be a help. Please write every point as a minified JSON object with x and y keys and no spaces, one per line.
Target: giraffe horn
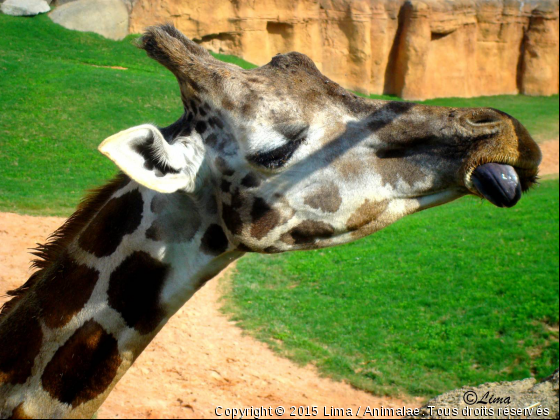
{"x":183,"y":57}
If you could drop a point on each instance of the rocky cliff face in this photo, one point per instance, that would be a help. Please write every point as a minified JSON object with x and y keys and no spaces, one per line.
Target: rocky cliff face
{"x":414,"y":49}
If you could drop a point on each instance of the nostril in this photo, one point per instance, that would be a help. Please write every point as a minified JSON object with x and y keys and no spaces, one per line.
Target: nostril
{"x":483,"y":117}
{"x":486,"y":120}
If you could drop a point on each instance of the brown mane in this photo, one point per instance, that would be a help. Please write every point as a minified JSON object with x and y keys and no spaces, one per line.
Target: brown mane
{"x":49,"y":252}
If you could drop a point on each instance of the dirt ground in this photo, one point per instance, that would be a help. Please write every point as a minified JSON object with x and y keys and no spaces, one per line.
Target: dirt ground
{"x":549,"y":163}
{"x":201,"y":360}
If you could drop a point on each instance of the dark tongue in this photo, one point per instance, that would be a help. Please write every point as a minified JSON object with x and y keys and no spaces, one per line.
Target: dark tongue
{"x":499,"y":184}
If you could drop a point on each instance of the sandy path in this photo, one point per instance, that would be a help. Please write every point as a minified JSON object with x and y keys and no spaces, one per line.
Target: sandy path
{"x":201,"y":360}
{"x":549,"y":164}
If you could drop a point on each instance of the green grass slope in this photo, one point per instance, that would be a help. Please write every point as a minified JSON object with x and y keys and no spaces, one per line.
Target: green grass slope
{"x":60,"y":99}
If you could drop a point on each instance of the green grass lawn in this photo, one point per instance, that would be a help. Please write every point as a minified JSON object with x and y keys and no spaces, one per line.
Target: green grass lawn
{"x":58,"y":105}
{"x":457,"y":295}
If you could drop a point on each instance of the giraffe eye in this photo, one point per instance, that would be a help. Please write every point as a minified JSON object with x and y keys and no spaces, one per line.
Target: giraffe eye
{"x":295,"y":134}
{"x":278,"y":157}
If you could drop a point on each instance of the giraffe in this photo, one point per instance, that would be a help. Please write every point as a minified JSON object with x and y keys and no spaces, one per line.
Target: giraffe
{"x":269,"y":160}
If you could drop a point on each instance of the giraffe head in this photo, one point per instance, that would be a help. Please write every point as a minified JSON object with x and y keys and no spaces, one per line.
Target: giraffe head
{"x":296,"y":162}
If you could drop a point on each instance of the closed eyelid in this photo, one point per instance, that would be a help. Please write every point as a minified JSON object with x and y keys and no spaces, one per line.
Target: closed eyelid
{"x":292,"y":132}
{"x":295,"y":135}
{"x":278,"y":157}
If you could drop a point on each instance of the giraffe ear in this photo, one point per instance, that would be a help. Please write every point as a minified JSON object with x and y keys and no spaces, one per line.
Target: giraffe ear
{"x":144,"y":155}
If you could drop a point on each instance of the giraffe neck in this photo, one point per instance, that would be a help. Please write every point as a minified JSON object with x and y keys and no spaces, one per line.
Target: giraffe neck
{"x":104,"y":290}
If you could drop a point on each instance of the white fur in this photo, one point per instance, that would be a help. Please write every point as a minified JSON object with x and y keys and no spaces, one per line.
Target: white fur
{"x":185,"y":155}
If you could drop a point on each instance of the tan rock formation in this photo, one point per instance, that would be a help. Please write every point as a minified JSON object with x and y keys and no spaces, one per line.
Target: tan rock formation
{"x":105,"y":17}
{"x":415,"y":49}
{"x":539,"y":72}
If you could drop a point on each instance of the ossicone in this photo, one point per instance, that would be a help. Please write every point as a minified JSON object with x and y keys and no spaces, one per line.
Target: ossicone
{"x":168,"y":46}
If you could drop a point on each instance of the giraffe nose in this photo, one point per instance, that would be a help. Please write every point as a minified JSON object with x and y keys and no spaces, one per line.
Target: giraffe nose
{"x":483,"y":118}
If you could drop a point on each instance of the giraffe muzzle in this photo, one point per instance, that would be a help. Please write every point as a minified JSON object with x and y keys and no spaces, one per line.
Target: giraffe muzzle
{"x":498,"y":183}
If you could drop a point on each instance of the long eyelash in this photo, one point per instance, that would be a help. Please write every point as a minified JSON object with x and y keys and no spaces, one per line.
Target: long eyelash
{"x":278,"y":157}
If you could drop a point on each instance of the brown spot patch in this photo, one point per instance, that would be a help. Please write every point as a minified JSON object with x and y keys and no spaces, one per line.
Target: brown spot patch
{"x":159,"y":203}
{"x":174,"y":230}
{"x":227,"y":104}
{"x":218,"y":122}
{"x":214,"y":241}
{"x":119,"y":217}
{"x":272,"y":250}
{"x":232,"y":219}
{"x":230,"y":213}
{"x":19,"y":413}
{"x":388,"y":113}
{"x":226,"y":185}
{"x":70,"y":283}
{"x":349,"y":169}
{"x":393,"y":171}
{"x":237,"y":199}
{"x":21,"y":338}
{"x":179,"y":219}
{"x":244,"y":248}
{"x":251,"y":181}
{"x":193,"y":106}
{"x":367,"y":213}
{"x":327,"y":198}
{"x":264,"y":217}
{"x":211,"y":205}
{"x":247,"y":107}
{"x":223,"y":166}
{"x":201,"y":127}
{"x":84,"y":367}
{"x":134,"y":290}
{"x":211,"y":140}
{"x":307,"y":232}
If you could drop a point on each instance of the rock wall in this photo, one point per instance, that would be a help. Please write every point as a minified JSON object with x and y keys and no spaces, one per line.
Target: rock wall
{"x":105,"y":17}
{"x":414,"y":49}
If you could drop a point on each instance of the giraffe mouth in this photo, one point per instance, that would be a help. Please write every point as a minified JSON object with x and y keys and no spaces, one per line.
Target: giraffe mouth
{"x":498,"y":183}
{"x":501,"y":183}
